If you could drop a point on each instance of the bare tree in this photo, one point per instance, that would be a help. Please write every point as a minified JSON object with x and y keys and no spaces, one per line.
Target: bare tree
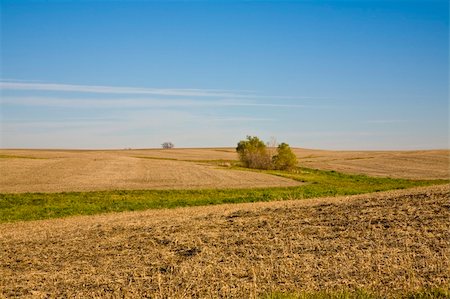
{"x":272,"y":145}
{"x":167,"y":145}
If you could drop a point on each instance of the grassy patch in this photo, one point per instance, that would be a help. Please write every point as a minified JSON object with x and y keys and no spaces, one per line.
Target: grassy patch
{"x":333,"y":183}
{"x":34,"y":206}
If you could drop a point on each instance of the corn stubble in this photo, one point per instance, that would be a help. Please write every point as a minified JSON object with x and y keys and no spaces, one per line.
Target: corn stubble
{"x":388,"y":243}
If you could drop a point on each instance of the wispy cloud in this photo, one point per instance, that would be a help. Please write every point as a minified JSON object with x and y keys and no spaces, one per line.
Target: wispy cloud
{"x":18,"y":85}
{"x":112,"y":89}
{"x":385,"y":121}
{"x":141,"y":103}
{"x":129,"y":123}
{"x":272,"y":105}
{"x":18,"y":80}
{"x":240,"y":119}
{"x":57,"y":124}
{"x":108,"y":116}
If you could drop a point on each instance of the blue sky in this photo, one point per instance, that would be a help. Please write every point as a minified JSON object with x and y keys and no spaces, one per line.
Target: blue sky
{"x":315,"y":74}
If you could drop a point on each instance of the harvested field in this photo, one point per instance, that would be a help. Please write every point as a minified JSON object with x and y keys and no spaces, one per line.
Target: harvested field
{"x":56,"y":171}
{"x":387,"y":243}
{"x":431,"y":164}
{"x":188,"y":153}
{"x":426,"y":164}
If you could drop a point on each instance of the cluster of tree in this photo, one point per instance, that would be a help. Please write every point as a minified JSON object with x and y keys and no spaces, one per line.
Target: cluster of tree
{"x":167,"y":145}
{"x":254,"y":153}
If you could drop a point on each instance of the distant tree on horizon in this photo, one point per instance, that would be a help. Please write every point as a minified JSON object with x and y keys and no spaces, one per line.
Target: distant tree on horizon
{"x":167,"y":145}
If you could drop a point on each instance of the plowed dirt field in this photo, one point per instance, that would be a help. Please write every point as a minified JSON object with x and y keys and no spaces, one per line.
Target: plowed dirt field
{"x":388,"y":243}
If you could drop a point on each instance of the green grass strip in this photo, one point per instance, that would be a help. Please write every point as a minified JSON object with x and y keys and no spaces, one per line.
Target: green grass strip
{"x":318,"y":183}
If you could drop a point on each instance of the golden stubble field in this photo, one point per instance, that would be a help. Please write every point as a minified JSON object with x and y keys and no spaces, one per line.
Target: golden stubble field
{"x":57,"y":170}
{"x":388,"y":243}
{"x":426,"y":164}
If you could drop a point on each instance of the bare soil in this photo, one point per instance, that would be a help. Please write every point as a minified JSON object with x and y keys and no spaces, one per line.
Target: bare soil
{"x":389,"y":243}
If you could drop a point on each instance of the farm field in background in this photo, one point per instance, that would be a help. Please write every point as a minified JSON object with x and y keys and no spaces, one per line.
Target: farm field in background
{"x":283,"y":236}
{"x":58,"y":170}
{"x":427,"y":164}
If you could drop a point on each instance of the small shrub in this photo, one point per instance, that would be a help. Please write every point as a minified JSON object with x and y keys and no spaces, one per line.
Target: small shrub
{"x":285,"y":159}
